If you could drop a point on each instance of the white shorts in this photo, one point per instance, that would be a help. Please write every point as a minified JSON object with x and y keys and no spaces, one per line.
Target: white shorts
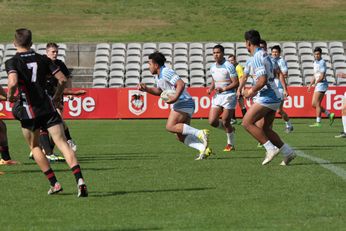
{"x":274,"y":106}
{"x":226,"y":101}
{"x":321,"y":87}
{"x":187,"y":107}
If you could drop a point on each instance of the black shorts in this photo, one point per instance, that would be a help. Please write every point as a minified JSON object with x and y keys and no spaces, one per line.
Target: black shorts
{"x":43,"y":122}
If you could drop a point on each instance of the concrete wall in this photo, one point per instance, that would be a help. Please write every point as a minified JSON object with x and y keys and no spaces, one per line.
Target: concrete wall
{"x":80,"y":55}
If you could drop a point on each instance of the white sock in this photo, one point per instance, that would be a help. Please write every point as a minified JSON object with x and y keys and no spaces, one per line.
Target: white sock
{"x":288,"y":124}
{"x":344,"y":123}
{"x":193,"y":142}
{"x":318,"y":119}
{"x":188,"y":130}
{"x":230,"y":138}
{"x":327,"y":113}
{"x":221,"y":125}
{"x":269,"y":146}
{"x":286,"y":150}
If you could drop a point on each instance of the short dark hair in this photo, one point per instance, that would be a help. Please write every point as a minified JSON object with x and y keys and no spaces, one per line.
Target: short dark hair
{"x":264,"y":42}
{"x":253,"y":36}
{"x":49,"y":45}
{"x":218,"y":46}
{"x":277,"y":47}
{"x":158,"y":58}
{"x":23,"y":37}
{"x":318,"y":49}
{"x":231,"y":56}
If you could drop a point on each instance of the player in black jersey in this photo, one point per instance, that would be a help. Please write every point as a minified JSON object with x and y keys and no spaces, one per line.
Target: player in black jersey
{"x":35,"y":109}
{"x":52,"y":50}
{"x":5,"y":154}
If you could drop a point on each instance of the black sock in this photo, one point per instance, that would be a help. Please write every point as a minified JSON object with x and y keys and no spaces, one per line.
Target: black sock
{"x":5,"y":154}
{"x":77,"y":172}
{"x":67,"y":134}
{"x":243,"y":111}
{"x":51,"y":176}
{"x":45,"y":142}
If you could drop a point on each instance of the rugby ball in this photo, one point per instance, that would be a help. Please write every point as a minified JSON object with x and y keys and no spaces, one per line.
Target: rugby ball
{"x":164,"y":95}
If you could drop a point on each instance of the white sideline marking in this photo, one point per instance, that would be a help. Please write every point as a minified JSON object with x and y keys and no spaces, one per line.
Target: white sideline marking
{"x":325,"y":164}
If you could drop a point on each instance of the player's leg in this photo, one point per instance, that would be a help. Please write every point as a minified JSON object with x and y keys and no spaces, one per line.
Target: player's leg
{"x":284,"y":116}
{"x":32,"y":138}
{"x":242,"y":105}
{"x":47,"y":145}
{"x":69,"y":139}
{"x":316,"y":101}
{"x":226,"y":119}
{"x":214,"y":117}
{"x":5,"y":153}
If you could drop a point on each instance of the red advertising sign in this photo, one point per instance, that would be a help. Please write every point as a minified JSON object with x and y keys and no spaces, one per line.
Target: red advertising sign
{"x":117,"y":103}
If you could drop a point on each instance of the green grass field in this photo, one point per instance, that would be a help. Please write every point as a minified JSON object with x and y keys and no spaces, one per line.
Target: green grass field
{"x":175,"y":20}
{"x":140,"y":178}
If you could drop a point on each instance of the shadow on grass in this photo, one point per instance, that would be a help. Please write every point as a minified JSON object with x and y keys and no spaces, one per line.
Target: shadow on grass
{"x":56,"y":170}
{"x":314,"y":163}
{"x":121,"y":229}
{"x":235,"y":157}
{"x":120,"y":193}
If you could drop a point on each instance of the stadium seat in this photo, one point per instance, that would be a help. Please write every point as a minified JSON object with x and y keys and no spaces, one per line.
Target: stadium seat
{"x":10,"y":46}
{"x":208,"y":65}
{"x":132,"y":74}
{"x":118,"y":59}
{"x":242,"y":59}
{"x":338,"y":58}
{"x":181,"y":66}
{"x":149,"y":46}
{"x":291,"y":58}
{"x":341,"y":81}
{"x":9,"y":53}
{"x":289,"y":45}
{"x":133,"y":67}
{"x":335,"y":44}
{"x":228,"y":45}
{"x":166,"y":52}
{"x":100,"y":75}
{"x":134,"y":46}
{"x":308,"y":73}
{"x":168,"y":46}
{"x":196,"y":66}
{"x":294,"y":73}
{"x":305,"y":51}
{"x":180,"y":59}
{"x":196,"y":59}
{"x":229,"y":51}
{"x":116,"y":74}
{"x":117,"y":67}
{"x":326,"y":58}
{"x":196,"y":46}
{"x":242,"y":51}
{"x":307,"y":59}
{"x":208,"y":81}
{"x":102,"y":59}
{"x":3,"y":75}
{"x":271,"y":44}
{"x":240,"y":45}
{"x":209,"y":59}
{"x":339,"y":65}
{"x":103,"y":46}
{"x":119,"y":46}
{"x":145,"y":66}
{"x":118,"y":52}
{"x":41,"y":48}
{"x":2,"y":47}
{"x":3,"y":82}
{"x":169,"y":61}
{"x":307,"y":80}
{"x":147,"y":52}
{"x":182,"y":73}
{"x":100,"y":83}
{"x":101,"y":52}
{"x":133,"y":52}
{"x":209,"y":46}
{"x":302,"y":45}
{"x":320,"y":44}
{"x":180,"y":52}
{"x":197,"y":82}
{"x":101,"y":67}
{"x":289,"y":51}
{"x":307,"y":66}
{"x":131,"y":82}
{"x":295,"y":81}
{"x":116,"y":82}
{"x":196,"y":52}
{"x":182,"y":46}
{"x":336,"y":51}
{"x":150,"y":82}
{"x":208,"y":74}
{"x":293,"y":65}
{"x":133,"y":59}
{"x":62,"y":46}
{"x":331,"y":80}
{"x":146,"y":74}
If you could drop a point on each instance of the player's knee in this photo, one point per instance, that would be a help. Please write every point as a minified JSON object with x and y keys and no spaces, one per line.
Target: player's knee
{"x":225,"y":123}
{"x":180,"y":137}
{"x":214,"y":123}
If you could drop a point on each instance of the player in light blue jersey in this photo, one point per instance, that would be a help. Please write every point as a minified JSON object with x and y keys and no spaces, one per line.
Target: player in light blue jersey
{"x":224,"y":84}
{"x":321,"y":86}
{"x":280,"y":81}
{"x":183,"y":105}
{"x":343,"y":110}
{"x":266,"y":103}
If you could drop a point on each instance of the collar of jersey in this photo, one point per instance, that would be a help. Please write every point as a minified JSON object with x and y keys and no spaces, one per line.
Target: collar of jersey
{"x":161,"y":68}
{"x":216,"y":64}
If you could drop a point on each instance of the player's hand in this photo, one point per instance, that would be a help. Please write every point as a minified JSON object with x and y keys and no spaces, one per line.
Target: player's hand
{"x":218,"y":90}
{"x":286,"y":94}
{"x":142,"y":87}
{"x":209,"y":91}
{"x":239,"y":94}
{"x":249,"y":93}
{"x":80,"y":92}
{"x":172,"y":99}
{"x":309,"y":87}
{"x":11,"y":99}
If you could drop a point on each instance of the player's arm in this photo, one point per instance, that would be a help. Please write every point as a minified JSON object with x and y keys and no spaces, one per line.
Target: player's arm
{"x":12,"y":86}
{"x":242,"y":83}
{"x":261,"y":82}
{"x":3,"y":94}
{"x":62,"y":81}
{"x":282,"y":78}
{"x":151,"y":90}
{"x":211,"y":87}
{"x":179,"y":88}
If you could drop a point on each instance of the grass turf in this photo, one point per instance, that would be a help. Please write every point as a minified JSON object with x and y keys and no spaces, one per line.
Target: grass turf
{"x":140,"y":178}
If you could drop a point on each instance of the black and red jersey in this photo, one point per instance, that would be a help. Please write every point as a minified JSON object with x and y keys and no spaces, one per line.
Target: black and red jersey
{"x":52,"y":82}
{"x":33,"y":70}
